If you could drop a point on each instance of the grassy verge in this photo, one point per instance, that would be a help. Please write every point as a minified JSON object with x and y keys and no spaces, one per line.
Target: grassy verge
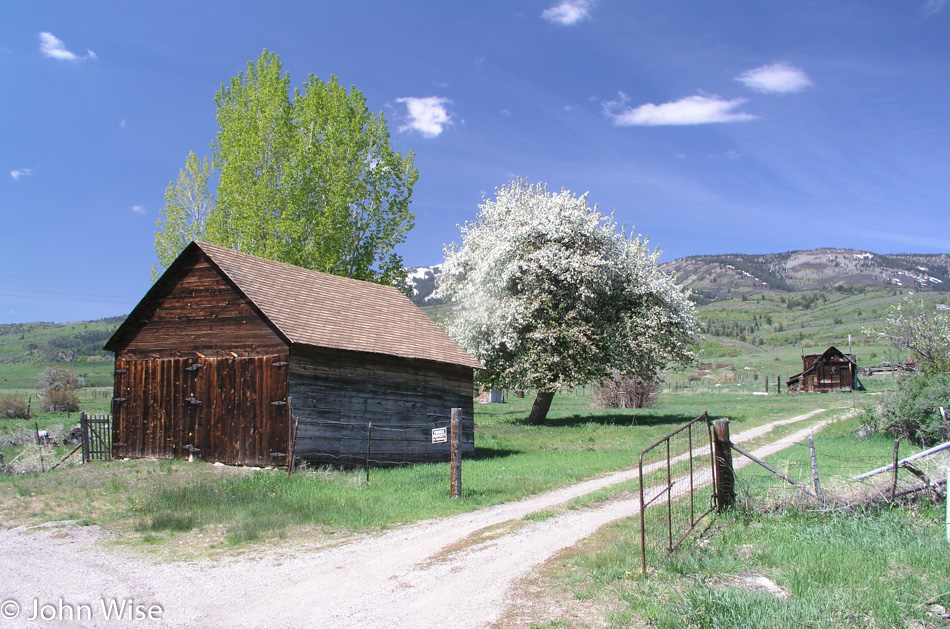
{"x":870,"y":566}
{"x":171,"y":501}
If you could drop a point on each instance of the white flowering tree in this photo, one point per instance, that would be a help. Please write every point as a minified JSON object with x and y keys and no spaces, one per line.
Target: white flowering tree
{"x":550,"y":295}
{"x":917,"y":325}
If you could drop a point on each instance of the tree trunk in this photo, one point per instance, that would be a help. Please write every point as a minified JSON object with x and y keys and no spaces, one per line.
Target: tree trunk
{"x":540,"y":408}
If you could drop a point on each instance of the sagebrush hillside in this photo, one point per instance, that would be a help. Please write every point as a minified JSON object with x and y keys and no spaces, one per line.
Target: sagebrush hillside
{"x":721,"y":277}
{"x":40,"y":342}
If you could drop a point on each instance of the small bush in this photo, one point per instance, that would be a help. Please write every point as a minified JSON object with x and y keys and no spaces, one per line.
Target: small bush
{"x":14,"y":407}
{"x":59,"y":378}
{"x":58,"y":386}
{"x":626,"y":392}
{"x":60,"y":401}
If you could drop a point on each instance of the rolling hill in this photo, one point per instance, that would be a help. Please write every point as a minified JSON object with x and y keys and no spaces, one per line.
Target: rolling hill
{"x":719,"y":277}
{"x":745,"y":303}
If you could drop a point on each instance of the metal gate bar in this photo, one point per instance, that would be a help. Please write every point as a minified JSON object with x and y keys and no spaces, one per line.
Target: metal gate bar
{"x":668,"y":457}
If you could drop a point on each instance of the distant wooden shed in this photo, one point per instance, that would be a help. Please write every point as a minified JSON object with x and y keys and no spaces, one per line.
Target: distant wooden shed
{"x":828,"y":371}
{"x":226,"y":348}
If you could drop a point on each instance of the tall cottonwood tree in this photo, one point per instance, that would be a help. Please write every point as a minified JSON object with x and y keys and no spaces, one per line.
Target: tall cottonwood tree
{"x":551,"y":295}
{"x":311,"y":179}
{"x":188,"y":204}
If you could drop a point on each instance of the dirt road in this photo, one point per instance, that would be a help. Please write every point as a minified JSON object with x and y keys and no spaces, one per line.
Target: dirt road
{"x":453,"y":572}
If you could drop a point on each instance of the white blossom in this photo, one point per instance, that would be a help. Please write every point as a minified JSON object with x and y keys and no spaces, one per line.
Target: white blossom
{"x":916,"y":325}
{"x":551,"y":295}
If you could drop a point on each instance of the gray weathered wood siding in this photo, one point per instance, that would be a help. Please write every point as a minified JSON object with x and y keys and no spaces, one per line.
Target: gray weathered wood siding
{"x":335,"y":395}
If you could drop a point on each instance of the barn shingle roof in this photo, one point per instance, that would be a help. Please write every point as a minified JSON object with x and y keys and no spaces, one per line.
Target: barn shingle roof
{"x":323,"y":310}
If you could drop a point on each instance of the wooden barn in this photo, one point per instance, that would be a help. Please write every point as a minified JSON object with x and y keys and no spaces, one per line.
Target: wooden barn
{"x":830,"y":371}
{"x":228,"y":352}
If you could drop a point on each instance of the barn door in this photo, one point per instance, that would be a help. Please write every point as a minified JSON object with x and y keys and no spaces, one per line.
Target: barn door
{"x":232,"y":410}
{"x":242,"y":414}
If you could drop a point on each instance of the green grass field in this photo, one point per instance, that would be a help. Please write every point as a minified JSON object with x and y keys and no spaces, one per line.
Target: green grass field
{"x":862,"y":563}
{"x":158,"y":500}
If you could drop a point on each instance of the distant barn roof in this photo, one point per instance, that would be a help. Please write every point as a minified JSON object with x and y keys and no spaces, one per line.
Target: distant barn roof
{"x":322,"y":310}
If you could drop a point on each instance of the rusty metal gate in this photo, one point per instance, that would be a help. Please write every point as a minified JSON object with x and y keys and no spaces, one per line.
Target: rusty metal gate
{"x":672,"y":472}
{"x":96,"y":437}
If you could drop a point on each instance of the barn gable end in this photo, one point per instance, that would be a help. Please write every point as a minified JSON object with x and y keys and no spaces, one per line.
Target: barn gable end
{"x":195,"y":310}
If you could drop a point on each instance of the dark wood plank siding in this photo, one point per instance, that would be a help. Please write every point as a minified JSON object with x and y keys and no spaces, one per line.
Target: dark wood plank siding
{"x":336,"y":394}
{"x":225,"y":408}
{"x":201,"y":314}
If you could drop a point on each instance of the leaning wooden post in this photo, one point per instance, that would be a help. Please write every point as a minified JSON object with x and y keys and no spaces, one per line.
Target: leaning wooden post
{"x":897,"y":444}
{"x":725,"y":475}
{"x":814,"y":472}
{"x":455,"y":450}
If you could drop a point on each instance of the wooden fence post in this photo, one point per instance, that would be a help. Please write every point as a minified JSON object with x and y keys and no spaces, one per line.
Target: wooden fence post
{"x":725,"y":475}
{"x":369,"y":443}
{"x":455,"y":450}
{"x":897,"y":445}
{"x":814,"y":473}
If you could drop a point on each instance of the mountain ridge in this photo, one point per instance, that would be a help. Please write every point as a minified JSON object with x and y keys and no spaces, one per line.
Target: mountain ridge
{"x":716,"y":277}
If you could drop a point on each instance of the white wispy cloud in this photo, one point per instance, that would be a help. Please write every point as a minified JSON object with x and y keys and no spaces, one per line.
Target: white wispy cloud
{"x":426,"y":115}
{"x":569,"y":12}
{"x":933,"y":6}
{"x":54,"y":48}
{"x":776,"y":78}
{"x":686,"y":111}
{"x":138,"y":209}
{"x":20,"y":173}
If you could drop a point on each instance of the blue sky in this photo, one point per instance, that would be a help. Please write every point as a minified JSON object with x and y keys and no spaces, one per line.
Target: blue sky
{"x":749,"y":127}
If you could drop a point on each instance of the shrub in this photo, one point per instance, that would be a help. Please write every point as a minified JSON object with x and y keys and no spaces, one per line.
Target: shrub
{"x":14,"y":407}
{"x":913,"y":410}
{"x":58,"y":387}
{"x":59,"y":378}
{"x":60,"y":401}
{"x":626,"y":392}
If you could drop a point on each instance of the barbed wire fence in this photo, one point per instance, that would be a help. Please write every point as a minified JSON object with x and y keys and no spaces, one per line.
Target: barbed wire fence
{"x":828,"y":481}
{"x":674,"y":482}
